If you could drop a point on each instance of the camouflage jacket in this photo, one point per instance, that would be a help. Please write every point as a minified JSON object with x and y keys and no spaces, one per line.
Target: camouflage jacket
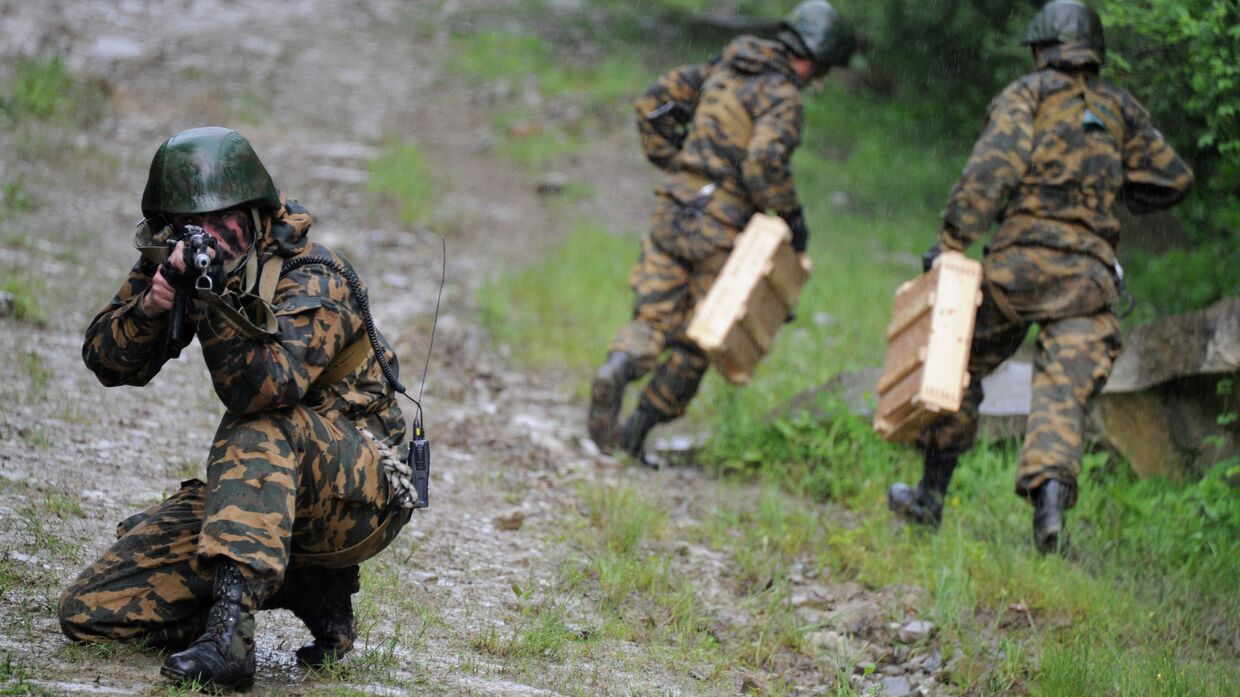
{"x":733,"y":121}
{"x":316,"y":315}
{"x":1059,"y":148}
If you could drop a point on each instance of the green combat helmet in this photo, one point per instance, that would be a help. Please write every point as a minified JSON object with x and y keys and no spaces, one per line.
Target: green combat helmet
{"x":206,"y":169}
{"x":1066,"y":22}
{"x":816,"y":31}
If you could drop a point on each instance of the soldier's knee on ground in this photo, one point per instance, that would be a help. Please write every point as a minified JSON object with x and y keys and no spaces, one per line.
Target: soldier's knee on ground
{"x":81,"y":621}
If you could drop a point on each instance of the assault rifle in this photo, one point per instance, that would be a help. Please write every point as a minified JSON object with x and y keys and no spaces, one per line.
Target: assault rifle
{"x":197,"y":242}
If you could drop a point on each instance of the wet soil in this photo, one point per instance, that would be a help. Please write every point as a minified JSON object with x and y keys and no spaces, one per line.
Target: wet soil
{"x":319,"y":87}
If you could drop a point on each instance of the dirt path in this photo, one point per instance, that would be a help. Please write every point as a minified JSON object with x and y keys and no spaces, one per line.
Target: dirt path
{"x":319,"y":87}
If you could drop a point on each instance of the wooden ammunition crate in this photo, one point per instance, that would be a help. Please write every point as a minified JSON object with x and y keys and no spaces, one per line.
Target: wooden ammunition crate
{"x":926,"y":370}
{"x":750,"y":301}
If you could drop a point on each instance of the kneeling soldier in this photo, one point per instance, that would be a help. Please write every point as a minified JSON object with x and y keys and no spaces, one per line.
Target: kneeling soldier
{"x":296,"y":493}
{"x":1060,"y":147}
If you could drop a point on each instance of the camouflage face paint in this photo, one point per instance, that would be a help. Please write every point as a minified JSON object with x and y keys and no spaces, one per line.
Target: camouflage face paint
{"x":231,"y":229}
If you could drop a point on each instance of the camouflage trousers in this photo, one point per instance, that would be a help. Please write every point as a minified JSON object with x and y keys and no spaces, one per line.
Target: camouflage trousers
{"x":1072,"y":359}
{"x":680,"y":259}
{"x":282,"y":486}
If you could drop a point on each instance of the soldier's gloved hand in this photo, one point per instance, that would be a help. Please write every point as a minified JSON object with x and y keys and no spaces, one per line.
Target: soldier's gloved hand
{"x":800,"y":233}
{"x":176,"y":269}
{"x":927,"y":259}
{"x":218,"y":277}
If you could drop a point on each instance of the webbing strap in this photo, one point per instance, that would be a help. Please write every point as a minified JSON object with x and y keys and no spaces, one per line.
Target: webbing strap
{"x":261,"y":325}
{"x":345,"y":361}
{"x":269,"y":278}
{"x":1001,"y":301}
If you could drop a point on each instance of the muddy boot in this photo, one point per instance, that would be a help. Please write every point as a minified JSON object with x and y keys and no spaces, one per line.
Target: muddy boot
{"x":327,"y":611}
{"x":223,"y":657}
{"x":1050,"y":502}
{"x":924,"y":505}
{"x":605,"y":398}
{"x":633,"y":435}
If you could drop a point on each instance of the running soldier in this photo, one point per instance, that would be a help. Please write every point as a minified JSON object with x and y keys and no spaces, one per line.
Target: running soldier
{"x":296,"y":494}
{"x":1059,"y":149}
{"x":724,"y":132}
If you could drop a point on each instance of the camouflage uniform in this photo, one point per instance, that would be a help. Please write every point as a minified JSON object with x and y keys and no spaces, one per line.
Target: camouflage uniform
{"x":1060,"y":147}
{"x":290,"y":473}
{"x":730,"y":125}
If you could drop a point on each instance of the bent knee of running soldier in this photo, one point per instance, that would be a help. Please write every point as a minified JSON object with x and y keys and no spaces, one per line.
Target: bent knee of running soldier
{"x":1073,"y":360}
{"x":675,"y":382}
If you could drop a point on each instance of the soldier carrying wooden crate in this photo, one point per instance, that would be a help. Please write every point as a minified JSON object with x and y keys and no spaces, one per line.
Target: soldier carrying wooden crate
{"x":724,"y":131}
{"x":1059,"y":148}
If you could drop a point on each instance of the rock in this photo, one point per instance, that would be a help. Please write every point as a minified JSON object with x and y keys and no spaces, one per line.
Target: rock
{"x":857,"y":616}
{"x":1161,"y":404}
{"x":589,"y":447}
{"x":841,"y":647}
{"x":753,"y":682}
{"x":341,"y":151}
{"x":841,"y":199}
{"x":512,"y":521}
{"x":810,"y":617}
{"x":807,"y":598}
{"x":115,"y":48}
{"x":552,"y":183}
{"x":340,"y":175}
{"x":932,"y":663}
{"x":827,"y":640}
{"x":897,"y":686}
{"x":915,"y":631}
{"x":824,"y":319}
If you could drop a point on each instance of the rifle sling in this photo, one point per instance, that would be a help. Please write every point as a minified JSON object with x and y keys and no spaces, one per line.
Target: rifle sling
{"x":345,"y":361}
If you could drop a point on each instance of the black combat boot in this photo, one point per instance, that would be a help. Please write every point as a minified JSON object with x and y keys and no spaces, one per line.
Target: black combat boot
{"x":326,"y":607}
{"x":1050,"y":502}
{"x":605,"y":398}
{"x":924,"y":505}
{"x":223,"y":657}
{"x":633,"y":435}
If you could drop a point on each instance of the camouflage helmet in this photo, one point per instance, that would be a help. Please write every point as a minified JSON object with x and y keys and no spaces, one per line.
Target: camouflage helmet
{"x":816,"y":31}
{"x":206,"y":169}
{"x":1066,"y":22}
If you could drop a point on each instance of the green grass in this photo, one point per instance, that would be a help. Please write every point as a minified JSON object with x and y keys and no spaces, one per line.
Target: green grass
{"x":43,"y":89}
{"x":625,"y":568}
{"x":15,"y":678}
{"x":62,"y":506}
{"x":557,"y":97}
{"x":38,"y":373}
{"x":1149,"y":578}
{"x":1143,"y":603}
{"x":40,"y":89}
{"x":400,"y":175}
{"x":39,"y":537}
{"x":564,"y":310}
{"x":27,"y":292}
